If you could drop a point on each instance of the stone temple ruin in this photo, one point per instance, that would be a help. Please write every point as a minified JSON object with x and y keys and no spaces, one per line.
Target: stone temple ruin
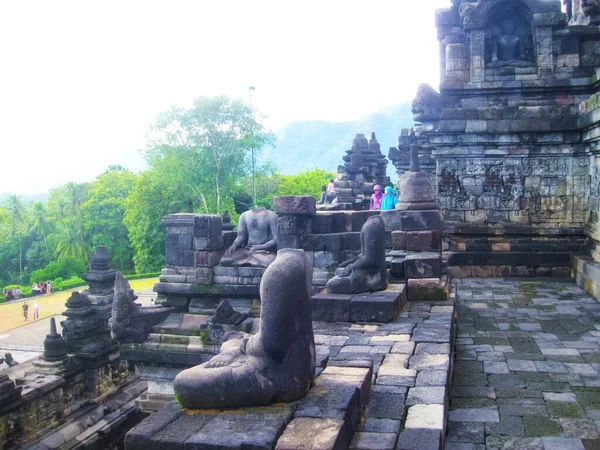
{"x":331,"y":326}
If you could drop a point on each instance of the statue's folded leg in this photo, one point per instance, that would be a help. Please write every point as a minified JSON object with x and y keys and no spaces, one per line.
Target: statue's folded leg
{"x":239,"y":384}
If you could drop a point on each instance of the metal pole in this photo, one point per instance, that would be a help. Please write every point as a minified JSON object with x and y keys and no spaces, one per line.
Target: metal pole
{"x":253,"y":181}
{"x":250,"y":92}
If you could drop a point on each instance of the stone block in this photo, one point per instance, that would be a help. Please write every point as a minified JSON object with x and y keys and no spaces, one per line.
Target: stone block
{"x":331,"y":307}
{"x":397,"y":267}
{"x":340,"y":222}
{"x":426,"y":289}
{"x":359,"y":218}
{"x":373,"y":441}
{"x":257,"y":428}
{"x":426,"y":395}
{"x":327,"y":259}
{"x":421,"y":220}
{"x":313,"y":434}
{"x":171,"y":240}
{"x":294,"y":225}
{"x":423,"y":265}
{"x":204,"y":275}
{"x":288,"y":241}
{"x":391,"y":220}
{"x":188,"y":258}
{"x":295,"y":205}
{"x":335,"y":396}
{"x":322,"y":223}
{"x":399,"y":240}
{"x":207,"y":259}
{"x":376,"y":307}
{"x":423,"y":241}
{"x":419,"y":439}
{"x":174,"y":256}
{"x":351,"y":241}
{"x":321,"y":242}
{"x":208,"y":243}
{"x":207,"y":225}
{"x":425,"y":417}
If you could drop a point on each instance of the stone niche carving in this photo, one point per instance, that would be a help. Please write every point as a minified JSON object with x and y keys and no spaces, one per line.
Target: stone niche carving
{"x":509,"y":38}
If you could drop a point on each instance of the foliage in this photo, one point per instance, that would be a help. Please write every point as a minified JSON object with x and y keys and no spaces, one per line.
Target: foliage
{"x":64,"y":268}
{"x":220,"y":132}
{"x":103,"y":214}
{"x":305,"y":183}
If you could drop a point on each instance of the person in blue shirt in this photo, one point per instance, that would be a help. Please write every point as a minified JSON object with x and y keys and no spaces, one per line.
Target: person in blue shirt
{"x":389,"y":200}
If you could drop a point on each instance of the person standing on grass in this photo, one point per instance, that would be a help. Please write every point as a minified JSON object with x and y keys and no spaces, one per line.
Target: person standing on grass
{"x":36,"y":310}
{"x":49,"y":287}
{"x":25,"y":310}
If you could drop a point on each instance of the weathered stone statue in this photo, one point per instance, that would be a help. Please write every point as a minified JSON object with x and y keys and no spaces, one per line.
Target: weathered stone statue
{"x":9,"y":360}
{"x":256,"y":241}
{"x":276,"y":364}
{"x":368,"y":272}
{"x":128,"y":321}
{"x":508,"y":46}
{"x":590,"y":7}
{"x":428,"y":104}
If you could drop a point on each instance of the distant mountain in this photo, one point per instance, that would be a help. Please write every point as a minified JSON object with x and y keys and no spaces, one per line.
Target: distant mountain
{"x":42,"y":197}
{"x":312,"y":143}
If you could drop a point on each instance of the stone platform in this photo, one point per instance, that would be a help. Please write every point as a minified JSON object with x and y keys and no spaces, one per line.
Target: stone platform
{"x":378,"y":307}
{"x":586,"y":273}
{"x":379,"y":386}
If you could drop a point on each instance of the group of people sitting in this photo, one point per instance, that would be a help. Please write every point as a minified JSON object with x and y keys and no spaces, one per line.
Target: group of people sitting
{"x":12,"y":294}
{"x":383,"y":201}
{"x":328,"y":194}
{"x":44,"y":287}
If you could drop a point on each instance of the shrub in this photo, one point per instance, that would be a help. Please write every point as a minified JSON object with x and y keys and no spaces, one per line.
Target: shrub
{"x":57,"y":284}
{"x":73,"y":282}
{"x":2,"y":299}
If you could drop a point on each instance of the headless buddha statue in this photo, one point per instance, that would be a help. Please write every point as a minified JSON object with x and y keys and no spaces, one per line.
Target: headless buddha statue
{"x":256,"y":241}
{"x":367,"y":273}
{"x":275,"y":365}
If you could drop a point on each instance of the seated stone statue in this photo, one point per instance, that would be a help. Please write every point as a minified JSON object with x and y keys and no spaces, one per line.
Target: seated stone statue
{"x":508,"y":46}
{"x":590,"y":7}
{"x":275,"y":365}
{"x":368,"y":272}
{"x":256,"y":241}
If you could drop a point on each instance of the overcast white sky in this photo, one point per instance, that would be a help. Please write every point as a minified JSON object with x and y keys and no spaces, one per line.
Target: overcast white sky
{"x":80,"y":80}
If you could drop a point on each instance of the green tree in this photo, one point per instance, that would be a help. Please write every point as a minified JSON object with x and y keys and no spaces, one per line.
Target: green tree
{"x":104,"y":211}
{"x":41,"y":225}
{"x":221,"y":131}
{"x":305,"y":183}
{"x":16,"y":211}
{"x":70,"y":241}
{"x":147,"y":203}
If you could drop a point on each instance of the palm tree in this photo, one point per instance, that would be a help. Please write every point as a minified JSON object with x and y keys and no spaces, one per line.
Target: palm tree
{"x":41,"y":224}
{"x":71,"y":242}
{"x":17,"y":216}
{"x":75,"y":196}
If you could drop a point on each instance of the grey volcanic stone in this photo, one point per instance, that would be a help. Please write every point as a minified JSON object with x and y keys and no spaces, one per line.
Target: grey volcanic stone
{"x":278,"y":363}
{"x":368,"y":272}
{"x":295,"y":205}
{"x":423,"y":265}
{"x":256,"y":241}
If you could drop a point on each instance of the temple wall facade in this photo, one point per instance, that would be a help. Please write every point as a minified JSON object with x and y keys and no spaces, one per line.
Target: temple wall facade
{"x":505,"y":140}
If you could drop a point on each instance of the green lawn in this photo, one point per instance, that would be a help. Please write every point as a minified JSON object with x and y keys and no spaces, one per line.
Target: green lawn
{"x":12,"y":313}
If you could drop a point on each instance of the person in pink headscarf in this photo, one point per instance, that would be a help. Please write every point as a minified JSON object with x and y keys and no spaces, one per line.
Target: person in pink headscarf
{"x":376,"y":198}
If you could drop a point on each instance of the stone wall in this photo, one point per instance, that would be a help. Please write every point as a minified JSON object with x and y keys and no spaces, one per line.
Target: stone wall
{"x":504,"y":140}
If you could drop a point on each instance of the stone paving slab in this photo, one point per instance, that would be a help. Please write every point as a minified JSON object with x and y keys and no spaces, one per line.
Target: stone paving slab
{"x":379,"y":386}
{"x":527,"y":366}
